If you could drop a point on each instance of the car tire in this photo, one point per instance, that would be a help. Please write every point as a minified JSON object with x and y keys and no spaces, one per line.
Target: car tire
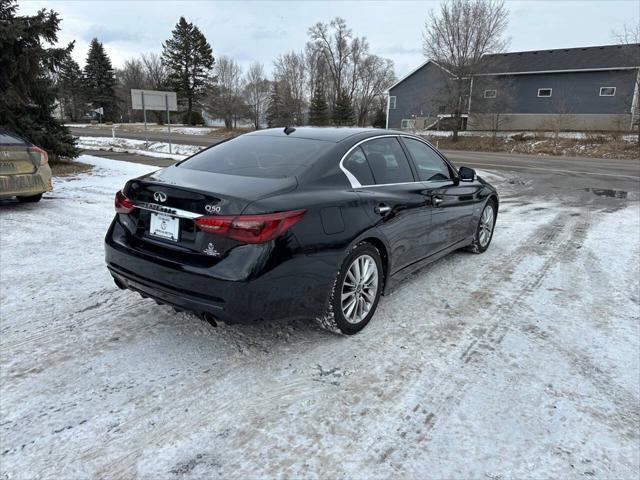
{"x":30,"y":198}
{"x":485,"y":228}
{"x":356,"y":291}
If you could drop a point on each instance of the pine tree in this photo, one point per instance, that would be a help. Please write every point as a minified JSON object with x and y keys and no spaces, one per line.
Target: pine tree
{"x":189,"y":59}
{"x":99,"y":81}
{"x":27,"y":90}
{"x":279,"y":110}
{"x":319,"y":109}
{"x":343,"y":112}
{"x":70,"y":92}
{"x":380,"y":119}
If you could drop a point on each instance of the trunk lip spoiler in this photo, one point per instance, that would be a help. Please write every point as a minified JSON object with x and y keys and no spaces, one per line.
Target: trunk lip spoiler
{"x":176,"y":212}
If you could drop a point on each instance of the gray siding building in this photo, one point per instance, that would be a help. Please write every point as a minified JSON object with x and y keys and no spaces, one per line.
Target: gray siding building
{"x":591,"y":88}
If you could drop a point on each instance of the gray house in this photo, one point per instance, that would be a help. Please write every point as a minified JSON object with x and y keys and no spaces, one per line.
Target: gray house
{"x":590,"y":88}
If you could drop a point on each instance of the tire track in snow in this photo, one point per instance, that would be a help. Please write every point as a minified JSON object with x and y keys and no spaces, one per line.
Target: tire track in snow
{"x":550,"y":243}
{"x":550,"y":234}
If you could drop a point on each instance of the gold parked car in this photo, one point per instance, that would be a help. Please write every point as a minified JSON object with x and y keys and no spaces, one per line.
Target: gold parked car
{"x":24,"y":169}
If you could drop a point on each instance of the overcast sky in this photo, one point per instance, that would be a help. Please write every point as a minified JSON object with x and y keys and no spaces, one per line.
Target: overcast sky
{"x":261,"y":30}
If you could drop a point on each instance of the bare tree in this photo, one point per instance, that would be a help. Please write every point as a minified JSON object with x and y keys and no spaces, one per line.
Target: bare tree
{"x":155,"y":72}
{"x":256,"y":92}
{"x":131,"y":75}
{"x":458,"y":36}
{"x":345,"y":67}
{"x":318,"y":75}
{"x":629,"y":36}
{"x":225,"y":100}
{"x":334,"y":42}
{"x":291,"y":74}
{"x":492,"y":103}
{"x":374,"y":76}
{"x":560,"y":118}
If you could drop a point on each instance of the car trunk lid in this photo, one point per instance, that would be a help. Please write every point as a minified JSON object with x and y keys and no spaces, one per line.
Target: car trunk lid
{"x":181,"y":195}
{"x":17,"y":160}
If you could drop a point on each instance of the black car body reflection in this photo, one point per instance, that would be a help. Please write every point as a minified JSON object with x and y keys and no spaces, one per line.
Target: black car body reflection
{"x":313,"y":222}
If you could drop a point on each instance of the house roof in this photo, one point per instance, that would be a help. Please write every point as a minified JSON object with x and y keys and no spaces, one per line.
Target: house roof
{"x":563,"y":59}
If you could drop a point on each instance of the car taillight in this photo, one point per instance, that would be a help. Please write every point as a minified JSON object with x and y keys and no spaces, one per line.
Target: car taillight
{"x":123,"y":204}
{"x":44,"y":156}
{"x":250,"y":228}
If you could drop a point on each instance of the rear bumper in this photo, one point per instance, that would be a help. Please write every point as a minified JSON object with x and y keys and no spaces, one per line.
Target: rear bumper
{"x":257,"y":283}
{"x":23,"y":185}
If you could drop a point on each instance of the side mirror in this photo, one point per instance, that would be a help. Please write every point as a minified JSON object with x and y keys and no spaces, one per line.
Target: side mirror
{"x":466,"y":174}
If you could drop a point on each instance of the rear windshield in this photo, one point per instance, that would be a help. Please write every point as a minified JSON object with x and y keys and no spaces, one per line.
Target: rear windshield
{"x":259,"y":156}
{"x":8,"y":139}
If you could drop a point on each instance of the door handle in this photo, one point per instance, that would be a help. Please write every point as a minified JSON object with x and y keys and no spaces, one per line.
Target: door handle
{"x":382,"y":209}
{"x":435,"y":200}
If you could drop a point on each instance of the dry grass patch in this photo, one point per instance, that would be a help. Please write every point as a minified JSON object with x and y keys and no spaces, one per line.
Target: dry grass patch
{"x":67,"y":168}
{"x":594,"y":146}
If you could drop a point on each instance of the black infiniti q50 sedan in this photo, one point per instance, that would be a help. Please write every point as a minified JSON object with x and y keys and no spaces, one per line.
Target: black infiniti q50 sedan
{"x":295,"y":222}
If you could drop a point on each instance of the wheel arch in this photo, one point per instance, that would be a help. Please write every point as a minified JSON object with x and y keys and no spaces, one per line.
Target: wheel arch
{"x":378,"y":242}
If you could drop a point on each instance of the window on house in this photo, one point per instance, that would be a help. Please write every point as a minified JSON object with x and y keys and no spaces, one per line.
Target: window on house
{"x":392,"y":103}
{"x":407,"y":123}
{"x":607,"y":91}
{"x":490,"y":93}
{"x":544,"y":92}
{"x":442,"y":109}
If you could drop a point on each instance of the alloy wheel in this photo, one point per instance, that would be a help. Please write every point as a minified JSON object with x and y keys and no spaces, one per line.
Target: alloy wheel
{"x":359,"y":289}
{"x":486,"y":226}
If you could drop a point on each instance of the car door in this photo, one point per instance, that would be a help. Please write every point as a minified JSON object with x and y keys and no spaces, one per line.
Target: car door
{"x":392,"y":197}
{"x":451,"y":202}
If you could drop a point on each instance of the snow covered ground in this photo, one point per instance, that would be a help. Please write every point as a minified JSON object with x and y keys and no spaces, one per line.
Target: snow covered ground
{"x":523,"y":362}
{"x":139,"y":147}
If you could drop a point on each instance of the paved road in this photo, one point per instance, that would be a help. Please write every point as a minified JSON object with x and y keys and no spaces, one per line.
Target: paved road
{"x":130,"y":157}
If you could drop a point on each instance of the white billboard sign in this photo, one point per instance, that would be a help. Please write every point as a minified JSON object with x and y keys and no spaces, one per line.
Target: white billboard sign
{"x":153,"y":100}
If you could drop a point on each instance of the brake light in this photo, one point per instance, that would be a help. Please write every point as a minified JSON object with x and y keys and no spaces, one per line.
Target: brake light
{"x":123,"y":204}
{"x":250,"y":228}
{"x":44,"y":156}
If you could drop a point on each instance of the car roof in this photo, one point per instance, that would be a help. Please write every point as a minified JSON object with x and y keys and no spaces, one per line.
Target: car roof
{"x":328,"y":134}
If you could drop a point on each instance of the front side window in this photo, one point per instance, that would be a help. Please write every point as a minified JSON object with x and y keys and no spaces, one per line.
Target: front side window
{"x":358,"y":166}
{"x":544,"y":92}
{"x":392,"y":103}
{"x":607,"y":91}
{"x":387,"y":160}
{"x":430,"y":167}
{"x":258,"y":156}
{"x":490,"y":93}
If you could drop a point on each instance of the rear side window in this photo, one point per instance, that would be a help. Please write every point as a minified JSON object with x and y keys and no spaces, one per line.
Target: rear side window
{"x":357,"y":164}
{"x":7,"y":139}
{"x":259,"y":156}
{"x":428,"y":163}
{"x":387,"y":161}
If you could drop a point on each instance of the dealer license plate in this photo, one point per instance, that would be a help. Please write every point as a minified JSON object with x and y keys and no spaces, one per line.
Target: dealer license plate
{"x":164,"y":226}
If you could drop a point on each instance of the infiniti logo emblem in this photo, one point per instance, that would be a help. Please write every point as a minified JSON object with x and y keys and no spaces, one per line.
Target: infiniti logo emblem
{"x":160,"y":197}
